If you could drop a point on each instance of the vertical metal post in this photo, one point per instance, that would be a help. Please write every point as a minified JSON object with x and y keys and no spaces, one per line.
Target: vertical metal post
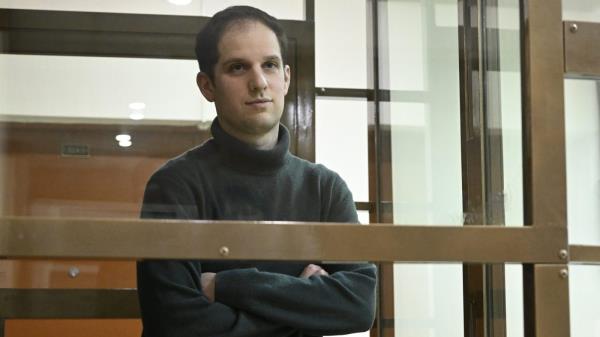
{"x":546,"y":291}
{"x":551,"y":301}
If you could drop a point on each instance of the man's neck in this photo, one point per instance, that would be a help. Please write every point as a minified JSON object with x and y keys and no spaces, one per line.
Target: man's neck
{"x":266,"y":141}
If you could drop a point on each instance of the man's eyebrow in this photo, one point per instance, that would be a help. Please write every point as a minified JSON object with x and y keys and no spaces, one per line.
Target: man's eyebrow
{"x":234,"y":60}
{"x":273,"y":58}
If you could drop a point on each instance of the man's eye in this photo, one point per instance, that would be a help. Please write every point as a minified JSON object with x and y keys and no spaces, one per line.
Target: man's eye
{"x":271,"y":65}
{"x":236,"y":67}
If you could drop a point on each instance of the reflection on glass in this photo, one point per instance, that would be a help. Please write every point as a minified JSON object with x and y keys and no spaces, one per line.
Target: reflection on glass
{"x":509,"y":77}
{"x":419,"y":57}
{"x":582,"y":131}
{"x":352,"y":164}
{"x":289,"y":9}
{"x":100,"y":89}
{"x":69,"y":146}
{"x":584,"y":294}
{"x":337,"y":35}
{"x":513,"y":288}
{"x":428,"y":300}
{"x":581,"y":10}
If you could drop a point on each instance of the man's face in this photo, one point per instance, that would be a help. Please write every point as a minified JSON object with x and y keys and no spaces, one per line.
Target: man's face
{"x":250,"y":80}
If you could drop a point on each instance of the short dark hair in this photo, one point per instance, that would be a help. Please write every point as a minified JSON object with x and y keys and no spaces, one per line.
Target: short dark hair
{"x":207,"y":40}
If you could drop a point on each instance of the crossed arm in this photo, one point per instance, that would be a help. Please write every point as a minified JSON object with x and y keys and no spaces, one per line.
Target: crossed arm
{"x":177,"y":299}
{"x":208,"y":279}
{"x":248,"y":302}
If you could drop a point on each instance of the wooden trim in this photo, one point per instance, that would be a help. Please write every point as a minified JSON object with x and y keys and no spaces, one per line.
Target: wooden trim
{"x":26,"y":237}
{"x":344,"y":92}
{"x":582,"y":55}
{"x":309,"y":9}
{"x":365,"y":206}
{"x":107,"y":34}
{"x":68,"y":303}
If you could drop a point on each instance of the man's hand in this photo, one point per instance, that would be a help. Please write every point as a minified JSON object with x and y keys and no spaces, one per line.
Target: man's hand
{"x":313,"y":269}
{"x":208,"y":286}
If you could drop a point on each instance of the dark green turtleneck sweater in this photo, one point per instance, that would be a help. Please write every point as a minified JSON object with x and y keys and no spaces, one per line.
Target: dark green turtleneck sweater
{"x":225,"y":179}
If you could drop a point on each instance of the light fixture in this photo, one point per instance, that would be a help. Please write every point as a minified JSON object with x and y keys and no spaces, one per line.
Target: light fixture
{"x":125,"y":143}
{"x":180,"y":2}
{"x":137,"y":110}
{"x":123,"y":137}
{"x":137,"y":106}
{"x":136,"y":115}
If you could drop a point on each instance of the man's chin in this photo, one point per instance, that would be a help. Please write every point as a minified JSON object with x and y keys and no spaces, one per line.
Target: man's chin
{"x":261,"y":124}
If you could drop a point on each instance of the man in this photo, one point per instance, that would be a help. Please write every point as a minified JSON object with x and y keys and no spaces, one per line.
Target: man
{"x":245,"y":172}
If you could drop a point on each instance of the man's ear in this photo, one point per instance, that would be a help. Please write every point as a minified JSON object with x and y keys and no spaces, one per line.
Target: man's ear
{"x":286,"y":77}
{"x":206,"y":86}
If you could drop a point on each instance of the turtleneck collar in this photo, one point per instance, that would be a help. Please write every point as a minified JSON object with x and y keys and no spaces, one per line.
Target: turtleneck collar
{"x":242,"y":156}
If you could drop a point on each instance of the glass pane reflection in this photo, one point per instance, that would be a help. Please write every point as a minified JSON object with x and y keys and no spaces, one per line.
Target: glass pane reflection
{"x":289,"y":9}
{"x":419,"y":58}
{"x":582,"y":129}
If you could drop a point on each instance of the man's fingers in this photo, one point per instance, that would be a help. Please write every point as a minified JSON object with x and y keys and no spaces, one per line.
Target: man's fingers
{"x":313,"y":269}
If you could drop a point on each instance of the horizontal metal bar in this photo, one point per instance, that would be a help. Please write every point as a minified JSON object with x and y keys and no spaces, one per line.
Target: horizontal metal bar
{"x":584,"y":254}
{"x":69,"y":303}
{"x":24,"y":237}
{"x":582,"y":55}
{"x":345,"y":92}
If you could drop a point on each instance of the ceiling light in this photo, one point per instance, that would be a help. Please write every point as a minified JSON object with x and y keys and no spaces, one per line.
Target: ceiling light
{"x":125,"y":143}
{"x":123,"y":138}
{"x":137,"y":106}
{"x":180,"y":2}
{"x":136,"y":115}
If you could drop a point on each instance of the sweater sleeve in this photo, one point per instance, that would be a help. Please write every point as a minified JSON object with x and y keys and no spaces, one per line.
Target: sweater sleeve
{"x":341,"y":303}
{"x":170,"y":292}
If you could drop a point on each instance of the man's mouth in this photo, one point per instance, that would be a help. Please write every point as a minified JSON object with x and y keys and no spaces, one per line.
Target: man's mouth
{"x":259,"y":101}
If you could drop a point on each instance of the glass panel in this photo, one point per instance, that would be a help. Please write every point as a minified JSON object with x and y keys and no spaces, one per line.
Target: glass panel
{"x":420,"y":65}
{"x":582,"y":128}
{"x":584,"y":294}
{"x":59,"y":151}
{"x":337,"y":35}
{"x":509,"y":77}
{"x":513,"y":274}
{"x":428,"y":300}
{"x":363,"y":217}
{"x":165,"y":90}
{"x":419,"y":62}
{"x":344,"y":149}
{"x":289,"y":9}
{"x":581,"y":10}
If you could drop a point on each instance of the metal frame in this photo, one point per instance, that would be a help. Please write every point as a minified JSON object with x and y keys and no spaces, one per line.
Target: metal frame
{"x":546,"y":302}
{"x":582,"y":55}
{"x":584,"y":254}
{"x":23,"y":237}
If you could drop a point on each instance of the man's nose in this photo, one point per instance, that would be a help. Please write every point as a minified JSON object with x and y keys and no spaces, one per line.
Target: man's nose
{"x":257,"y":80}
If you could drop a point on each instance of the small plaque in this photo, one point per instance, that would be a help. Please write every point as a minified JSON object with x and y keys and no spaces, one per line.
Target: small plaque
{"x":75,"y":150}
